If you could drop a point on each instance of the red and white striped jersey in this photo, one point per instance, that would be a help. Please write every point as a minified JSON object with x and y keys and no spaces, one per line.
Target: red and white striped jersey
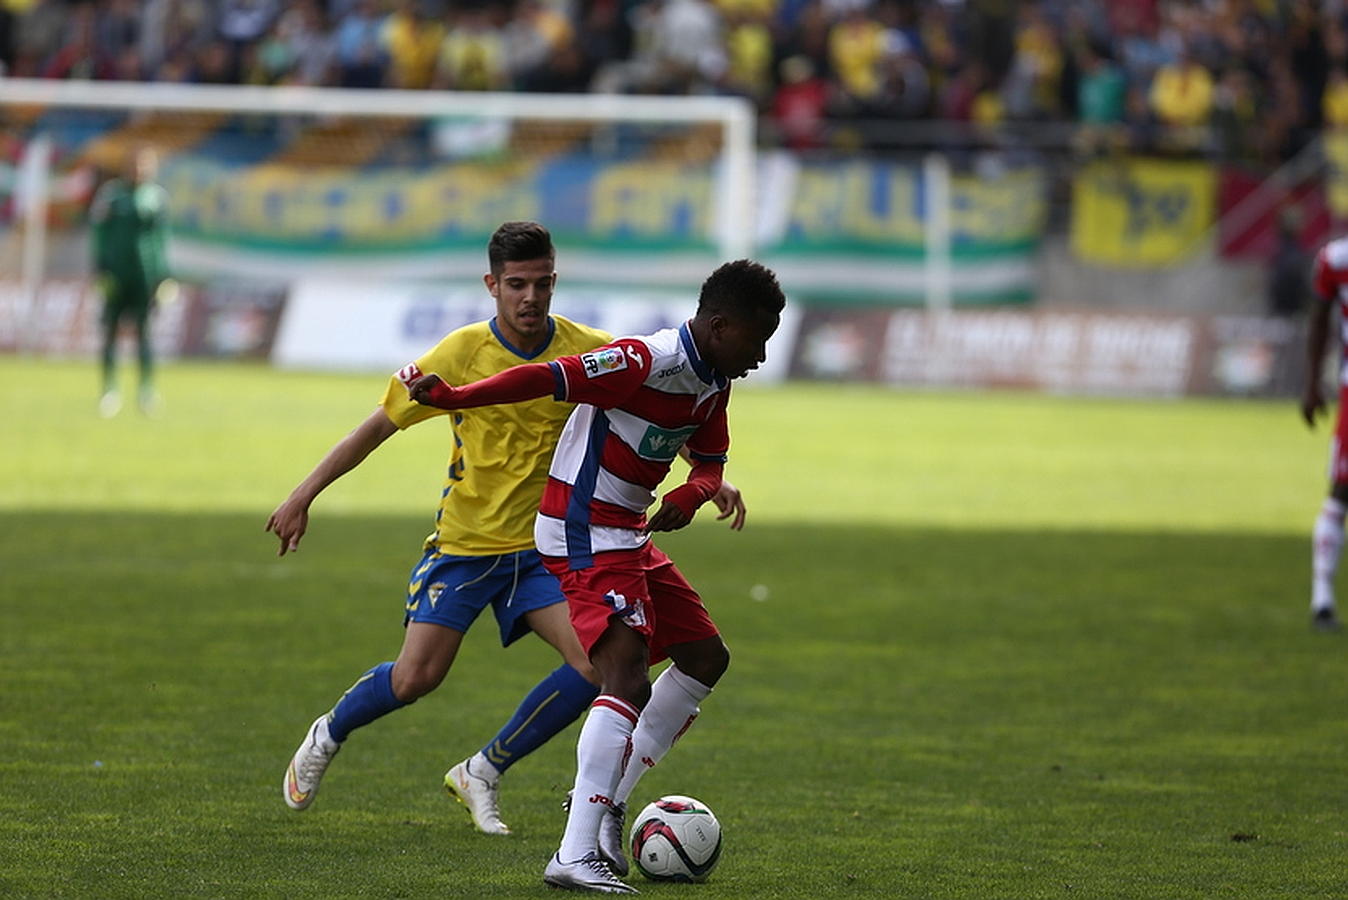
{"x":1330,"y":282}
{"x":640,"y":400}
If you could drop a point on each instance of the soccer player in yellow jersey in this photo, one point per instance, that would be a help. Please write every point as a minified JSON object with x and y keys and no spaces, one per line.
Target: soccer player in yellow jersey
{"x":482,"y":550}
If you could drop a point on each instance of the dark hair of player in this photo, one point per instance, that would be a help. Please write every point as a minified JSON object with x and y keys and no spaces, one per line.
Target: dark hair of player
{"x":742,"y":290}
{"x":518,"y":242}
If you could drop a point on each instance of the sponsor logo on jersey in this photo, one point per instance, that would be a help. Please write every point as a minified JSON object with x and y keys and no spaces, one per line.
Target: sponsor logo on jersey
{"x":603,"y":361}
{"x":663,"y":443}
{"x":671,"y":371}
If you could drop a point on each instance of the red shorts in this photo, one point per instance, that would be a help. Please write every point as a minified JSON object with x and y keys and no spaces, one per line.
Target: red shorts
{"x":1338,"y":447}
{"x":644,"y":589}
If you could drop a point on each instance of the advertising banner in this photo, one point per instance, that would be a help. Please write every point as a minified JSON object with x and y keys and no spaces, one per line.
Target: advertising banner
{"x":380,"y":327}
{"x":652,"y":205}
{"x":1121,"y":354}
{"x":63,"y":319}
{"x":232,"y":321}
{"x":215,"y":320}
{"x":1128,"y":355}
{"x":859,"y":205}
{"x":843,"y":231}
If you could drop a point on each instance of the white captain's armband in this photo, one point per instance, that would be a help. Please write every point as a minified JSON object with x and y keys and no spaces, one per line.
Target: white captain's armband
{"x":603,"y":361}
{"x":408,"y":374}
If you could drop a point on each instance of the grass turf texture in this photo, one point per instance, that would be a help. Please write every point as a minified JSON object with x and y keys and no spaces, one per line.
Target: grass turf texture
{"x":1013,"y":646}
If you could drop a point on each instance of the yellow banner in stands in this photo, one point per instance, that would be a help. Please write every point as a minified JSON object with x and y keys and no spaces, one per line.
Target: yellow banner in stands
{"x":1141,"y":212}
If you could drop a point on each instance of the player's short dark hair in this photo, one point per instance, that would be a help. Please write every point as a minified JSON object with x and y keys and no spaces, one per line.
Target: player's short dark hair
{"x":741,"y":289}
{"x":518,"y":242}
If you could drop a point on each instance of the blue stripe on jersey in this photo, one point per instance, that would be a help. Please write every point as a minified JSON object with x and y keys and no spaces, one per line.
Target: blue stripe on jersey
{"x":700,"y":366}
{"x":579,"y":551}
{"x":552,"y":329}
{"x":694,"y":358}
{"x":708,"y":457}
{"x":558,"y":381}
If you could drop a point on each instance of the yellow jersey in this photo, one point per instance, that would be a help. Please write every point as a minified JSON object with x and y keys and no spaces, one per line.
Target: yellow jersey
{"x":499,"y":463}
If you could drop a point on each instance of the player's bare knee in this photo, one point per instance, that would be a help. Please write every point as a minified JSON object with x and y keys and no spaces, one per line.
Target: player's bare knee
{"x":705,"y":661}
{"x":709,"y":669}
{"x":632,"y":684}
{"x":635,"y":691}
{"x":585,"y":670}
{"x":720,"y":662}
{"x":412,"y":682}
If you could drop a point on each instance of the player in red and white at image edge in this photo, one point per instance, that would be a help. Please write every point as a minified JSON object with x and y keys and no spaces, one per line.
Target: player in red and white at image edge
{"x":1329,"y":283}
{"x":640,"y":399}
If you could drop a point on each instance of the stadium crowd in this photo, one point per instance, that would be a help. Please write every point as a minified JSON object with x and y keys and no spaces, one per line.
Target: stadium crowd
{"x":1235,"y":79}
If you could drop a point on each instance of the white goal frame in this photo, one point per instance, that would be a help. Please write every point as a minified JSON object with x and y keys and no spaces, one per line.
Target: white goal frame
{"x":733,"y":217}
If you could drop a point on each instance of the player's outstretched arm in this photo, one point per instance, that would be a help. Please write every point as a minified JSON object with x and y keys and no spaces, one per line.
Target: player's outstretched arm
{"x":291,"y":518}
{"x":527,"y":382}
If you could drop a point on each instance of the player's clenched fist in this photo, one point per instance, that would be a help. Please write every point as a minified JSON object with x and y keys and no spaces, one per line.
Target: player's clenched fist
{"x":431,"y":390}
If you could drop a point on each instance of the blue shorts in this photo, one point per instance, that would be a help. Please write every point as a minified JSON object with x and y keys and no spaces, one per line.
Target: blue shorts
{"x":451,"y":590}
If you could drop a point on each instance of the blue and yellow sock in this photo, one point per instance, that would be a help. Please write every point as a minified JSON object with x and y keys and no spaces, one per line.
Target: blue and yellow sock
{"x":554,"y":703}
{"x":369,"y":698}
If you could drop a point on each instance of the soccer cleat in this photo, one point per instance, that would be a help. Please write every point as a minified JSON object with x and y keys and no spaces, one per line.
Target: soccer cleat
{"x":308,"y":764}
{"x":151,"y":405}
{"x":589,"y":873}
{"x":478,"y":794}
{"x":610,"y":836}
{"x":110,"y":404}
{"x":1325,"y":619}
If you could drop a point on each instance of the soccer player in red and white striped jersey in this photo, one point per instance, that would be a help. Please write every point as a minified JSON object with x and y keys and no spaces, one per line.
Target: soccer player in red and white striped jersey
{"x":1330,"y":286}
{"x":640,"y":400}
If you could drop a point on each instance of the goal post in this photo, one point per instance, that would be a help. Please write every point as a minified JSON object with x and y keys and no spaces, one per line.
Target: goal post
{"x":730,"y":224}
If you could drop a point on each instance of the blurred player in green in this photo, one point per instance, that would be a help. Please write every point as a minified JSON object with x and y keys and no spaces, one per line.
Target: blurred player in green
{"x":129,"y":216}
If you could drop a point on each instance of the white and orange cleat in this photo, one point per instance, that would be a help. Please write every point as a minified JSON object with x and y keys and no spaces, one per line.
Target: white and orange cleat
{"x":308,"y":764}
{"x":477,"y":787}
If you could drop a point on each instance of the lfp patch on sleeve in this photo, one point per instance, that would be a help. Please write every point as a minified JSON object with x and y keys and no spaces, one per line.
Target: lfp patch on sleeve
{"x":603,"y":361}
{"x":408,"y":374}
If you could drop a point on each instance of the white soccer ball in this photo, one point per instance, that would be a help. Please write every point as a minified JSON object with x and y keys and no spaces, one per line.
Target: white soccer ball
{"x":676,"y":838}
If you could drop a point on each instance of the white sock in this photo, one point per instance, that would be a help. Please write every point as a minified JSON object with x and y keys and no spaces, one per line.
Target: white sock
{"x":669,"y":713}
{"x":479,"y":765}
{"x":1326,"y":547}
{"x":601,"y":754}
{"x":324,"y":736}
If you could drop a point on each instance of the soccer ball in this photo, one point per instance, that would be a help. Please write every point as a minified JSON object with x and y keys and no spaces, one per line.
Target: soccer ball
{"x":676,"y":838}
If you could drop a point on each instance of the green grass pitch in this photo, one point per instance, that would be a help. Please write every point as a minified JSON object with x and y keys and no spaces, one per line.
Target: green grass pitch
{"x":1012,"y":646}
